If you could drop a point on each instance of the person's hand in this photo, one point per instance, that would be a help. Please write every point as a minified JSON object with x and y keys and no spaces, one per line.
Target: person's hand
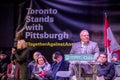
{"x":13,"y":50}
{"x":73,"y":78}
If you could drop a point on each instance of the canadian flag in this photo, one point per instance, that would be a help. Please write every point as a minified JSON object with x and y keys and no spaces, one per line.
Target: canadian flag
{"x":109,"y":40}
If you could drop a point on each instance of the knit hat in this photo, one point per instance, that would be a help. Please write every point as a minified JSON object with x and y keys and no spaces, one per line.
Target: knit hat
{"x":115,"y":55}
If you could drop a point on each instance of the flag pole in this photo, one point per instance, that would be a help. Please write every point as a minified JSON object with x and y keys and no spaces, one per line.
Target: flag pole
{"x":105,"y":33}
{"x":106,"y":43}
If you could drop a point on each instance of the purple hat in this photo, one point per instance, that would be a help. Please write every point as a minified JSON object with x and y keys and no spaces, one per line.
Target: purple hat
{"x":115,"y":55}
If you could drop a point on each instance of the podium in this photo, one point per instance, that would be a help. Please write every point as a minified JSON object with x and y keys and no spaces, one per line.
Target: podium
{"x":85,"y":67}
{"x":81,"y":74}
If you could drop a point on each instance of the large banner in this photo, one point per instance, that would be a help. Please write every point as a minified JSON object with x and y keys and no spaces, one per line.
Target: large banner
{"x":54,"y":25}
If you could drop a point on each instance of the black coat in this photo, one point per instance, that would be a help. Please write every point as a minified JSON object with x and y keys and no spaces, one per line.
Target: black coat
{"x":107,"y":70}
{"x":22,"y":59}
{"x":61,"y":66}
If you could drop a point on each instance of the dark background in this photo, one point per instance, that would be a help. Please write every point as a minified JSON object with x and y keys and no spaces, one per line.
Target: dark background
{"x":8,"y":16}
{"x":6,"y":25}
{"x":91,"y":14}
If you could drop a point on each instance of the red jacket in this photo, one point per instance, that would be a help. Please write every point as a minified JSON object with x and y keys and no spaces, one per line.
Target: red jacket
{"x":9,"y":69}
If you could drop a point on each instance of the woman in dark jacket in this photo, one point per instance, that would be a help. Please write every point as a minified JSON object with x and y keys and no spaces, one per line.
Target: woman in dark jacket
{"x":21,"y":55}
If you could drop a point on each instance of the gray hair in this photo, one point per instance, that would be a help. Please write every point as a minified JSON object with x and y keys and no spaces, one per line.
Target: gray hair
{"x":23,"y":43}
{"x":82,"y":32}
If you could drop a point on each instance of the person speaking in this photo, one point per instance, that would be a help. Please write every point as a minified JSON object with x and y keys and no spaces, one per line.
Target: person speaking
{"x":21,"y":56}
{"x":85,"y":46}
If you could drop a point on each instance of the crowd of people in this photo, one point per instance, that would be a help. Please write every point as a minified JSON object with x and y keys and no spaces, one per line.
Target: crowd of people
{"x":20,"y":68}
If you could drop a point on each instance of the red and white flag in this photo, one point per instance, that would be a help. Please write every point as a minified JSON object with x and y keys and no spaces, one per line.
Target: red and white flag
{"x":109,"y":40}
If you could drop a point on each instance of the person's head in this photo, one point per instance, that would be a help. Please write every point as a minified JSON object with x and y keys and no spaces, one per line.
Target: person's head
{"x":36,"y":55}
{"x":41,"y":60}
{"x":13,"y":62}
{"x":58,"y":56}
{"x":2,"y":55}
{"x":21,"y":44}
{"x":102,"y":58}
{"x":84,"y":36}
{"x":114,"y":57}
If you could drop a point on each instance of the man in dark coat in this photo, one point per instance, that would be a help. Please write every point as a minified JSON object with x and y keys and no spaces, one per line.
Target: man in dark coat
{"x":59,"y":65}
{"x":105,"y":69}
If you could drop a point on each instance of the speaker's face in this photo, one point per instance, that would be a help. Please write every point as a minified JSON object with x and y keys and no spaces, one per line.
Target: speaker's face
{"x":19,"y":45}
{"x":84,"y":36}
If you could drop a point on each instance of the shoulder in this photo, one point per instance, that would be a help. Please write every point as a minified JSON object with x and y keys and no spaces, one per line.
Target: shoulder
{"x":31,"y":63}
{"x":47,"y":63}
{"x":116,"y":63}
{"x":26,"y":50}
{"x":92,"y":42}
{"x":65,"y":62}
{"x":109,"y":64}
{"x":9,"y":65}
